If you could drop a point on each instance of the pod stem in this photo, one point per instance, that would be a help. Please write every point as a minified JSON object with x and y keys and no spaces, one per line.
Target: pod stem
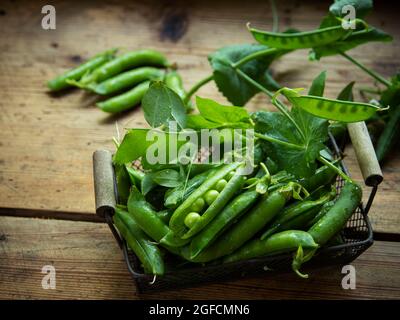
{"x":371,"y":72}
{"x":336,"y":169}
{"x":253,"y":56}
{"x":196,"y":87}
{"x":277,"y":103}
{"x":277,"y":141}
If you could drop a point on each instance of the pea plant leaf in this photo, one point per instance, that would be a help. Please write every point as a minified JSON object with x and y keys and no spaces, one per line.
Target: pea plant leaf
{"x":167,"y":178}
{"x":355,"y":39}
{"x":132,"y":147}
{"x":340,"y":7}
{"x":347,"y":93}
{"x":391,"y":95}
{"x":297,"y":161}
{"x":160,"y":105}
{"x":232,"y":86}
{"x":215,"y":115}
{"x":318,"y":85}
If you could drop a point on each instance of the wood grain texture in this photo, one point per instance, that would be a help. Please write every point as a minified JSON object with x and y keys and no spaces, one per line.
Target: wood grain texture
{"x":47,"y":141}
{"x":89,"y":264}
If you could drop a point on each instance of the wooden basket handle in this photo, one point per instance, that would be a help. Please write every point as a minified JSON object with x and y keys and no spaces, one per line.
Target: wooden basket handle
{"x":365,"y":153}
{"x":104,"y":189}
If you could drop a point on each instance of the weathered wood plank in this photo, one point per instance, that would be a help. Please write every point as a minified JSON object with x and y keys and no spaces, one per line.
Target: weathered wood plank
{"x":46,"y":141}
{"x":89,"y":264}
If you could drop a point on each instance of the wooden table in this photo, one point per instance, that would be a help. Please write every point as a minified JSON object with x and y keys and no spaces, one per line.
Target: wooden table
{"x":46,"y":141}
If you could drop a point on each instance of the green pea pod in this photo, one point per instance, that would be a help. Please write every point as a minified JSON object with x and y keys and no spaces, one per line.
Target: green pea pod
{"x":149,"y":221}
{"x":144,"y":248}
{"x":389,"y":134}
{"x":177,"y":220}
{"x":126,"y":61}
{"x":330,"y":224}
{"x":299,"y":40}
{"x":126,"y":100}
{"x":323,"y":176}
{"x":135,"y":176}
{"x":243,"y":230}
{"x":234,"y":185}
{"x":61,"y":82}
{"x":238,"y":206}
{"x":173,"y":80}
{"x":126,"y":80}
{"x":325,"y":208}
{"x":285,"y":219}
{"x":281,"y":242}
{"x":335,"y":219}
{"x":175,"y":196}
{"x":346,"y":111}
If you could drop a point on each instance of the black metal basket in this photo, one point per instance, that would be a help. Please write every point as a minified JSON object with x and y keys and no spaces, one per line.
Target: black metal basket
{"x":357,"y":237}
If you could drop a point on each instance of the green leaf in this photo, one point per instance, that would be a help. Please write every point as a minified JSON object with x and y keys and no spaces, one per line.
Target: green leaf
{"x":391,"y":96}
{"x":213,"y":111}
{"x":362,"y":7}
{"x":147,"y":184}
{"x":132,"y":147}
{"x":318,"y":85}
{"x":347,"y":93}
{"x":167,"y":178}
{"x":232,"y":86}
{"x":160,"y":105}
{"x":356,"y":39}
{"x":301,"y":162}
{"x":214,"y":115}
{"x":197,"y":122}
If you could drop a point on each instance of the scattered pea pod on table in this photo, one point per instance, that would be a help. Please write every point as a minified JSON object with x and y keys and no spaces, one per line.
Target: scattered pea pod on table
{"x":332,"y":109}
{"x":126,"y":100}
{"x":126,"y":80}
{"x":62,"y":81}
{"x":123,"y":62}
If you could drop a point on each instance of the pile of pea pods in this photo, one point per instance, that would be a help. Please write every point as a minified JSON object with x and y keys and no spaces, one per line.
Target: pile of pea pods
{"x":223,"y":215}
{"x":122,"y":80}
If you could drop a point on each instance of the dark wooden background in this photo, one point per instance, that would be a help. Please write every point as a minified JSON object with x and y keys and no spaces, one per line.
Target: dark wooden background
{"x":46,"y":141}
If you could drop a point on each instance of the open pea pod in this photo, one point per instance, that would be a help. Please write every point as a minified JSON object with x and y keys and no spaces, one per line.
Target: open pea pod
{"x":332,"y":109}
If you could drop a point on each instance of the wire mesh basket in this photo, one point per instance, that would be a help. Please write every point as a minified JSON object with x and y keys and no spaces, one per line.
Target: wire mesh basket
{"x":357,"y":235}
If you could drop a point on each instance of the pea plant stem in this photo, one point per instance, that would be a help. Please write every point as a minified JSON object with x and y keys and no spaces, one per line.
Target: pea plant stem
{"x":333,"y":167}
{"x":372,"y":73}
{"x":274,"y":140}
{"x":282,"y":108}
{"x":196,"y":87}
{"x":253,"y":56}
{"x":275,"y":16}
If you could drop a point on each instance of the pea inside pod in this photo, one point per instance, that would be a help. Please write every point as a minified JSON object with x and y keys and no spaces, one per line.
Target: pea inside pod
{"x":346,"y":111}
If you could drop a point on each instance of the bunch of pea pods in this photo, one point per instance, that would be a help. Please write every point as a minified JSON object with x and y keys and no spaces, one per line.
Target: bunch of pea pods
{"x":222,"y":215}
{"x":122,"y":80}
